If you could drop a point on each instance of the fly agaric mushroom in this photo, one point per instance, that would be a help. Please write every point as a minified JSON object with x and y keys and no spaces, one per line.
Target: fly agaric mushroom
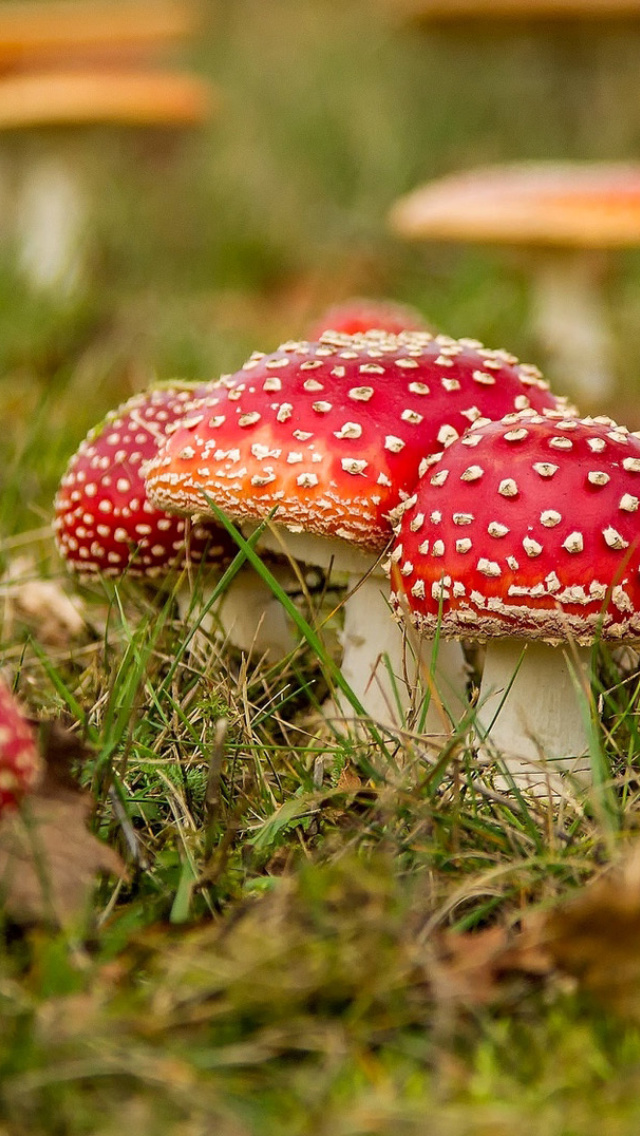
{"x":53,"y":210}
{"x":360,"y":315}
{"x":459,"y":10}
{"x":567,"y":214}
{"x":20,"y":764}
{"x":525,"y":532}
{"x":333,"y":434}
{"x":34,"y":34}
{"x":105,"y":525}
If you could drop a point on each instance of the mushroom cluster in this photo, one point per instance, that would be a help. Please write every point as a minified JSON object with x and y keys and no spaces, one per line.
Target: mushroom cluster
{"x":526,"y":531}
{"x":333,"y":434}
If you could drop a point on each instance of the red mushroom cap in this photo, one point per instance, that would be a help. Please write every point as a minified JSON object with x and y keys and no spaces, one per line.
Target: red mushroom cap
{"x":360,"y":314}
{"x":104,"y":523}
{"x":20,"y":763}
{"x":334,"y":432}
{"x":528,"y":528}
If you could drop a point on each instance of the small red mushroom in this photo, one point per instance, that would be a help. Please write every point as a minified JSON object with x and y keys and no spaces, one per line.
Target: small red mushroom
{"x":20,"y":763}
{"x":525,"y":532}
{"x":360,"y":315}
{"x":105,"y":524}
{"x":334,"y":434}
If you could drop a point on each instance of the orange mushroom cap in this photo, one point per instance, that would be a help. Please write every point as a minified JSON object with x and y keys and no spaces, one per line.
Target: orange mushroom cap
{"x":334,"y":432}
{"x":579,"y":204}
{"x":75,"y":97}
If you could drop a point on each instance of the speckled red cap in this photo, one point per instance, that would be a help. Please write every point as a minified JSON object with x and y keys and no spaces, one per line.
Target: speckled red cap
{"x":20,"y":762}
{"x":334,"y":432}
{"x":528,"y":528}
{"x":104,"y":523}
{"x":361,"y":314}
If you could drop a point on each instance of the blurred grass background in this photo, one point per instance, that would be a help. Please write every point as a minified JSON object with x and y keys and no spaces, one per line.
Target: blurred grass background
{"x":231,"y":238}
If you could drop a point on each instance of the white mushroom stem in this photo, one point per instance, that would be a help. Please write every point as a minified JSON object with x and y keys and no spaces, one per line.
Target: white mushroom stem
{"x":382,"y":670}
{"x":248,"y":616}
{"x":52,"y":224}
{"x":570,"y":322}
{"x":376,"y":661}
{"x":537,"y":722}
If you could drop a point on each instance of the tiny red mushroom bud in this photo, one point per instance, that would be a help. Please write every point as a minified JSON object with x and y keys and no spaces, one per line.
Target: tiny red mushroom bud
{"x":359,"y":315}
{"x":20,"y":763}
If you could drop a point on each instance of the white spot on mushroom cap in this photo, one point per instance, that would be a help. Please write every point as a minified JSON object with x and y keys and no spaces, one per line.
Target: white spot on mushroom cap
{"x":545,"y":469}
{"x":508,"y":487}
{"x":349,"y":430}
{"x":307,"y":480}
{"x":614,"y":539}
{"x":488,"y":567}
{"x":438,"y":479}
{"x":532,"y":547}
{"x":574,"y":542}
{"x":354,"y":465}
{"x":412,"y":416}
{"x":447,"y":434}
{"x":472,"y":473}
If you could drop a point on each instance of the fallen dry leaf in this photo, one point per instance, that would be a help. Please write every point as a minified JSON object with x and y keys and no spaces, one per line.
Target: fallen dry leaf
{"x":592,"y":937}
{"x":48,"y":857}
{"x":49,"y":860}
{"x":595,"y":936}
{"x":475,"y":969}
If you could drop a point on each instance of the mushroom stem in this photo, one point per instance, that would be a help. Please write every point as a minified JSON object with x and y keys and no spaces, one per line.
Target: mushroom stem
{"x":383,"y":672}
{"x":52,"y":224}
{"x":570,"y":322}
{"x":375,"y":662}
{"x":538,"y":721}
{"x":248,"y":617}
